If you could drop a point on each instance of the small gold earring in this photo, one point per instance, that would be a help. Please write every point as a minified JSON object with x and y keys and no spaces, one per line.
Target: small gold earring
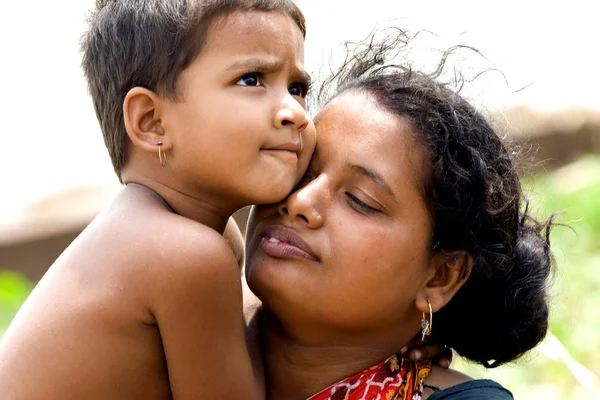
{"x":427,"y":325}
{"x":162,"y":156}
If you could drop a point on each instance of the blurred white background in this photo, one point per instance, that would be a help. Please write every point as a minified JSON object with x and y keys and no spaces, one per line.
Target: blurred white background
{"x":49,"y":136}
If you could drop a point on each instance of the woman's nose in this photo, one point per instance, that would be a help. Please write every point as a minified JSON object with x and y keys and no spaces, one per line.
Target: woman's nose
{"x":306,"y":205}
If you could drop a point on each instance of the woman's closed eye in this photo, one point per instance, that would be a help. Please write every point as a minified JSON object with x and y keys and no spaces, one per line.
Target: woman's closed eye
{"x":360,"y":205}
{"x":252,"y":79}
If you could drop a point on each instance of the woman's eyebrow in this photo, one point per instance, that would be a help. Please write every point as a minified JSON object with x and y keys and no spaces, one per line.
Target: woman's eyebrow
{"x":375,"y":177}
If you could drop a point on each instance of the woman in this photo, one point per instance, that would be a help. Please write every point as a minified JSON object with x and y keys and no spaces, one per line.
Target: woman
{"x":410,"y":220}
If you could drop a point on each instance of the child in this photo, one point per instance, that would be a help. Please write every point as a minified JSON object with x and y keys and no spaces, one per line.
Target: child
{"x":202,"y":107}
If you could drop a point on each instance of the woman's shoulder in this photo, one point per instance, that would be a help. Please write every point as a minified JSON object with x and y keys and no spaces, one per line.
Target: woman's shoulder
{"x":444,"y":384}
{"x":473,"y":390}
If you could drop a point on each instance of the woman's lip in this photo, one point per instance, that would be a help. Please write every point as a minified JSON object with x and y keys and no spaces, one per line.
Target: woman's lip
{"x":283,"y":250}
{"x":282,"y":242}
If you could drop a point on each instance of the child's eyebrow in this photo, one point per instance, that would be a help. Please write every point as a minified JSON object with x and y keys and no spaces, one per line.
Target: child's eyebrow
{"x":255,"y":64}
{"x":265,"y":65}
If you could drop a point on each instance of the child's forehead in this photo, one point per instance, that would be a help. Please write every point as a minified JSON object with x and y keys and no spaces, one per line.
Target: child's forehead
{"x":269,"y":33}
{"x":247,"y":22}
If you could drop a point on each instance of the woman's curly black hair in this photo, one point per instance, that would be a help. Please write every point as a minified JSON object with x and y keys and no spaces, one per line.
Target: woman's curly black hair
{"x":475,"y":201}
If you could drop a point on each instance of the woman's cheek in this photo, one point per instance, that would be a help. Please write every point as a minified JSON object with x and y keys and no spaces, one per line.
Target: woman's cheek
{"x":308,"y":148}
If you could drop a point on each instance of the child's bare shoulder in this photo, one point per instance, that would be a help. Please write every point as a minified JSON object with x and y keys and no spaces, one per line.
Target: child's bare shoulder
{"x":195,"y":250}
{"x":179,"y":251}
{"x":170,"y":251}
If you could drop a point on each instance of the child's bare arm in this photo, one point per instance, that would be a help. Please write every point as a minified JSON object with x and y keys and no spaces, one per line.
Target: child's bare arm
{"x":200,"y":318}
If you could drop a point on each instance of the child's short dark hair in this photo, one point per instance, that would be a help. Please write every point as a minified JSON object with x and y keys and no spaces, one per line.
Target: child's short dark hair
{"x":148,"y":43}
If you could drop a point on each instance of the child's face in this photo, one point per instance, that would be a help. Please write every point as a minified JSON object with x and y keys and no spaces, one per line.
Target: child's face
{"x":240,"y":130}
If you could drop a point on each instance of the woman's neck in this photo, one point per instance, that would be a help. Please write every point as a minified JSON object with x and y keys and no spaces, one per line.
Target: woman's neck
{"x":295,"y":371}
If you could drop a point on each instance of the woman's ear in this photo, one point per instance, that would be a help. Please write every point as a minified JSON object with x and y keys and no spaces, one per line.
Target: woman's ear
{"x":142,"y":117}
{"x":450,"y":272}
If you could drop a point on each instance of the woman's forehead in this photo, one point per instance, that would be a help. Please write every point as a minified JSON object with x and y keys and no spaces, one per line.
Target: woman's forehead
{"x":353,"y":129}
{"x":355,"y":122}
{"x":353,"y":103}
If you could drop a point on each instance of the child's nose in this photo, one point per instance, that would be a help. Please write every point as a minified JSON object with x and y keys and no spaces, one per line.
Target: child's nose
{"x":291,"y":113}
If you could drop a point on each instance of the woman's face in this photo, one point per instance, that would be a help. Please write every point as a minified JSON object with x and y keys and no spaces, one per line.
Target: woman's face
{"x":344,"y":256}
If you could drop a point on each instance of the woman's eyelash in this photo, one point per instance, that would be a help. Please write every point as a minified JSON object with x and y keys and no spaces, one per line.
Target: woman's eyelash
{"x":357,"y":203}
{"x":360,"y":204}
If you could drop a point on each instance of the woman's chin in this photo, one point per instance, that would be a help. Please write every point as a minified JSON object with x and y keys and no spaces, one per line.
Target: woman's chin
{"x":276,"y":283}
{"x":267,"y":279}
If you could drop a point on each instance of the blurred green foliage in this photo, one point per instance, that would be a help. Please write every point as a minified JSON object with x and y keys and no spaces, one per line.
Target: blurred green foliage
{"x":14,"y":289}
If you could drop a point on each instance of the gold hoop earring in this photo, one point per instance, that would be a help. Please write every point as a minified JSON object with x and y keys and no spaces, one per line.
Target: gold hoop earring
{"x":426,"y":325}
{"x":162,"y":156}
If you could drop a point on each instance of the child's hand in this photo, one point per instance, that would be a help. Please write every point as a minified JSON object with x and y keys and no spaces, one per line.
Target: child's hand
{"x":418,"y":350}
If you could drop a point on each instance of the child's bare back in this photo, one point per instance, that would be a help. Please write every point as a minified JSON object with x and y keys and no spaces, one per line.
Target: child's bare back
{"x":98,"y":309}
{"x":202,"y":107}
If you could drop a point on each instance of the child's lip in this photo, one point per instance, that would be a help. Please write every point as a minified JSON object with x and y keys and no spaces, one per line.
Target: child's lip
{"x":293,"y":147}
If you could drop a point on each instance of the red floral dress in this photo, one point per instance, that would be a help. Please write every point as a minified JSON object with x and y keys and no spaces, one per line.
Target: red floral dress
{"x":388,"y":380}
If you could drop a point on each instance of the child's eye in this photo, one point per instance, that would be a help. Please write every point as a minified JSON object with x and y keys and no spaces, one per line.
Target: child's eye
{"x":249,"y":80}
{"x":298,"y":89}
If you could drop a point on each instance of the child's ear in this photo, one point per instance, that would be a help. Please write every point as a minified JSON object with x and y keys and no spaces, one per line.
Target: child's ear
{"x":142,"y":117}
{"x":451,"y":271}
